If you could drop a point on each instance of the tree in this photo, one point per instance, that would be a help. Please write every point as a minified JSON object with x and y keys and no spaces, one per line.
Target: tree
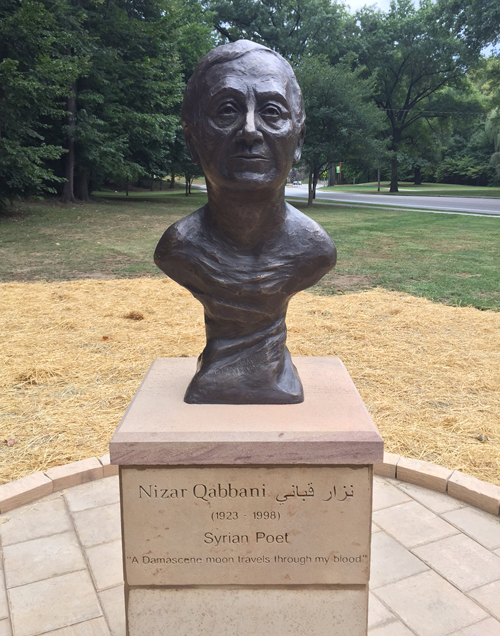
{"x":421,"y":151}
{"x":342,"y":122}
{"x":493,"y":132}
{"x":451,"y":128}
{"x":34,"y":76}
{"x":476,"y":22}
{"x":488,"y":80}
{"x":181,"y":162}
{"x":293,"y":28}
{"x":194,"y":35}
{"x":90,"y":91}
{"x":123,"y":111}
{"x":411,"y":55}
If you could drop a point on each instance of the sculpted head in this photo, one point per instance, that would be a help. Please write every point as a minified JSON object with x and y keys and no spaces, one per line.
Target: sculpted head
{"x":243,"y":116}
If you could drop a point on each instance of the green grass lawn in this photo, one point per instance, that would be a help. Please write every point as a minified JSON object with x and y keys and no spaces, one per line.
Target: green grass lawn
{"x":451,"y":259}
{"x":113,"y":237}
{"x":426,"y":189}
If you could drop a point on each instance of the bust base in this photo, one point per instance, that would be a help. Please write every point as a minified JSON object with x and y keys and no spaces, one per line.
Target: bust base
{"x":231,"y":384}
{"x":289,"y":487}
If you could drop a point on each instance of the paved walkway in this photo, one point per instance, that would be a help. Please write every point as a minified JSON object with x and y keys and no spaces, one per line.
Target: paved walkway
{"x":435,"y":565}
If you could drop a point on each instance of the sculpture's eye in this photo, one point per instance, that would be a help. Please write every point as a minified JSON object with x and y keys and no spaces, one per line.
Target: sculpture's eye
{"x":227,"y":110}
{"x":270,"y":111}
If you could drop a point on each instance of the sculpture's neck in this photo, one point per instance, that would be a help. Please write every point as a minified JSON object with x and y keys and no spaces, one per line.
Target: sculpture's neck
{"x":246,"y":218}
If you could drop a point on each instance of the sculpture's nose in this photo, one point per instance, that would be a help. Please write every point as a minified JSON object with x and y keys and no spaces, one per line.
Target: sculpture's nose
{"x":249,"y":131}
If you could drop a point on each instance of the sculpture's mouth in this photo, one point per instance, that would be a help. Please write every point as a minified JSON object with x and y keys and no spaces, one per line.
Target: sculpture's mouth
{"x":250,"y":157}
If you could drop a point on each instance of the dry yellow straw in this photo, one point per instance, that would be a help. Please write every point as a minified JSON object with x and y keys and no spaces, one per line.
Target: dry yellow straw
{"x":75,"y":352}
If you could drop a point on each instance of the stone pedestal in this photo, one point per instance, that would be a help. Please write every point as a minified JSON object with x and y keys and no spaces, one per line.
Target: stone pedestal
{"x":251,"y":519}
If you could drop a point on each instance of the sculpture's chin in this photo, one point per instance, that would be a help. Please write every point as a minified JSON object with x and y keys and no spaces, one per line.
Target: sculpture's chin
{"x":248,"y":177}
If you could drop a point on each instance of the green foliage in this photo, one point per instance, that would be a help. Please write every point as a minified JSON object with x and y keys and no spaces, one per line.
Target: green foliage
{"x":194,"y":35}
{"x":90,"y":91}
{"x":411,"y":55}
{"x":342,"y":121}
{"x":126,"y":106}
{"x":417,"y":59}
{"x":181,"y":162}
{"x":476,"y":22}
{"x":34,"y":75}
{"x":449,"y":144}
{"x":462,"y":170}
{"x":493,"y":133}
{"x":294,"y":28}
{"x":488,"y":79}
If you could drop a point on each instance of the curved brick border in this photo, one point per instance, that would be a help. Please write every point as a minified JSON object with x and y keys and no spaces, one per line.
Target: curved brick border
{"x":33,"y":487}
{"x":475,"y":492}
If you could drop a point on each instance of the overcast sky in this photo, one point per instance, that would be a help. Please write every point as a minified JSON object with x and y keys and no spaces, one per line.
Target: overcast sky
{"x":357,"y":4}
{"x":381,"y":4}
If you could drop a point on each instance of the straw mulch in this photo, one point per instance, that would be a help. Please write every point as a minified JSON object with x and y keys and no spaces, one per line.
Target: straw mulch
{"x":75,"y":352}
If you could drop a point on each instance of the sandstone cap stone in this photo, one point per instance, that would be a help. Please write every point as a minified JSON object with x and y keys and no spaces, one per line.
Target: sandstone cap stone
{"x":331,"y":426}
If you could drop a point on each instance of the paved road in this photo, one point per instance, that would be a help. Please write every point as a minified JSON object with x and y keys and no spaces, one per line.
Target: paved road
{"x":444,"y":205}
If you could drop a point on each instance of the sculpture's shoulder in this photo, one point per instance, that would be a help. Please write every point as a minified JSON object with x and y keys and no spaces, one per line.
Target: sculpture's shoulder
{"x":309,"y":239}
{"x":180,"y":238}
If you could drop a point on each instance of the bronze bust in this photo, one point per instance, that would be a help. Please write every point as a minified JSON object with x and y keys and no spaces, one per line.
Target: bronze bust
{"x":246,"y":252}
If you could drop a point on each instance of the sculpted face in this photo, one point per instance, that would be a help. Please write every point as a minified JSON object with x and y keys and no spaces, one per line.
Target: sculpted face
{"x":247,"y":135}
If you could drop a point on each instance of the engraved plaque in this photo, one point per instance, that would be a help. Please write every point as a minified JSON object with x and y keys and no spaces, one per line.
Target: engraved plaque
{"x":218,"y":526}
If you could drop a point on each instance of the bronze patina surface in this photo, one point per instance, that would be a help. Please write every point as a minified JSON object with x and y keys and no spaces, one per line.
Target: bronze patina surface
{"x":247,"y":252}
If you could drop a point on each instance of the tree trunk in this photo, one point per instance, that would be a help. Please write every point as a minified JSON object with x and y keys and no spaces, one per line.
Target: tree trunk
{"x":68,"y":195}
{"x":331,"y":177}
{"x":126,"y":188}
{"x":315,"y":183}
{"x":310,"y":190}
{"x":418,"y":176}
{"x":378,"y":178}
{"x":172,"y":181}
{"x":82,"y":186}
{"x":152,"y":182}
{"x":161,"y":184}
{"x":394,"y":174}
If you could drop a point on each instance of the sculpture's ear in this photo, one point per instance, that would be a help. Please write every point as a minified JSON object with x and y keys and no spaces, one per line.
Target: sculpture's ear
{"x":300,"y":143}
{"x":190,"y":146}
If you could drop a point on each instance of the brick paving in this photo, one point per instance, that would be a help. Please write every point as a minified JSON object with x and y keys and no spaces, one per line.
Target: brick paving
{"x":435,"y":564}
